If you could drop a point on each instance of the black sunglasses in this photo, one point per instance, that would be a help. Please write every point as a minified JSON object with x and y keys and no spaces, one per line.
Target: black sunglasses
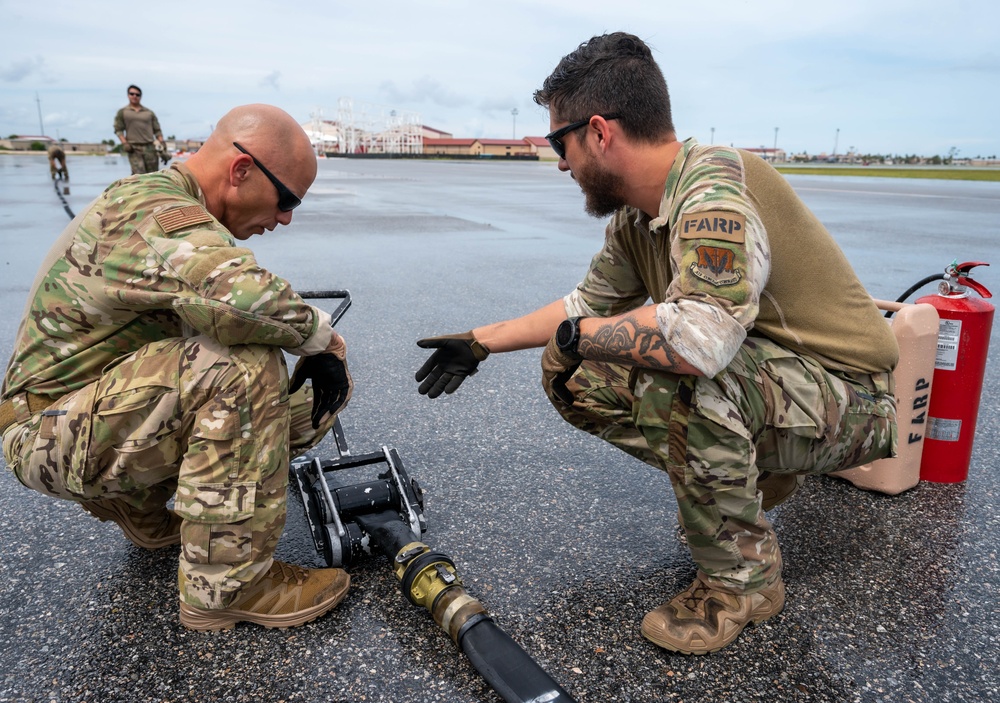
{"x":136,"y":95}
{"x":555,"y":138}
{"x":287,"y":200}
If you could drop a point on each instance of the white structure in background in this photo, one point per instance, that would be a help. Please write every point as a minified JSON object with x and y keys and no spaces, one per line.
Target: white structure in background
{"x":375,"y":129}
{"x":324,"y":135}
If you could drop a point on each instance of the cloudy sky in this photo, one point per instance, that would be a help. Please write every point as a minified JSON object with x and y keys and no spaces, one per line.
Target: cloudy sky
{"x":881,"y":76}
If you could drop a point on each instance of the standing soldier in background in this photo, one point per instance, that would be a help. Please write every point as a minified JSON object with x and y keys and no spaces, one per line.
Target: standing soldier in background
{"x":139,"y":132}
{"x":720,"y":334}
{"x":56,"y":153}
{"x":149,"y":366}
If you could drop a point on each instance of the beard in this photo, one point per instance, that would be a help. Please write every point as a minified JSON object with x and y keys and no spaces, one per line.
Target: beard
{"x":603,"y":190}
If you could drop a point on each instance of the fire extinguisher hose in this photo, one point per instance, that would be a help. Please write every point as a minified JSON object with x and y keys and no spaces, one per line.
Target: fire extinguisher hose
{"x":915,"y":287}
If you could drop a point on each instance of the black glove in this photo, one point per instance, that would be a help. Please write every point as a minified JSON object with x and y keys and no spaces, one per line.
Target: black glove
{"x":127,"y":148}
{"x":331,"y":383}
{"x":457,"y":356}
{"x":165,"y":155}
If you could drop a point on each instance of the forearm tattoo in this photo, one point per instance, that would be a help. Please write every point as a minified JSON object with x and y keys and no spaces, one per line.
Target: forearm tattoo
{"x":627,"y":341}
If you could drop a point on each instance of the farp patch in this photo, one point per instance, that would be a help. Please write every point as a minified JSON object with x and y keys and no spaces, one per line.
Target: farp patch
{"x":714,"y":224}
{"x":181,"y":217}
{"x":716,"y":265}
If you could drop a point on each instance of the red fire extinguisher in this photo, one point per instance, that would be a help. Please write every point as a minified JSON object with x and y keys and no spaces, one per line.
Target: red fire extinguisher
{"x":959,"y":368}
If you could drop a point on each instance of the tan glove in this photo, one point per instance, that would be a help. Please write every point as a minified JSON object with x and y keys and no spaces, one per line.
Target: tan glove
{"x":557,"y":368}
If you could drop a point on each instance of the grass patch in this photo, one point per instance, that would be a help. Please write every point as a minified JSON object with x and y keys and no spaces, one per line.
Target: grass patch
{"x":948,"y":174}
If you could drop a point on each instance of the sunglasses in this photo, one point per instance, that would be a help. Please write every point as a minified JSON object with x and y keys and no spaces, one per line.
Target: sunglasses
{"x":555,"y":138}
{"x":136,"y":95}
{"x":287,"y":200}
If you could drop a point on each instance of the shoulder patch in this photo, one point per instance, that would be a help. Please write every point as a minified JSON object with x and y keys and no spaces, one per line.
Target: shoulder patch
{"x":180,"y":217}
{"x":713,"y":224}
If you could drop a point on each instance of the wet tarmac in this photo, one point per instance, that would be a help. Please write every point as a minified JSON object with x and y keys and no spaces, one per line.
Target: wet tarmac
{"x":567,"y":541}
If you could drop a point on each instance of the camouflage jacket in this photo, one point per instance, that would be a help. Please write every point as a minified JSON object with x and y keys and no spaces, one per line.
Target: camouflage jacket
{"x":734,"y":249}
{"x":146,"y":261}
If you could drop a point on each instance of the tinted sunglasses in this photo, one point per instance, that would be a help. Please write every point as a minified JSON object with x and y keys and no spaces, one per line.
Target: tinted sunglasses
{"x":555,"y":138}
{"x":136,"y":95}
{"x":287,"y":200}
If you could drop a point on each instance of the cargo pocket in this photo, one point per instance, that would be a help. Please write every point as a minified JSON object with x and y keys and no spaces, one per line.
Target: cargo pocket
{"x":134,"y":419}
{"x":795,"y":399}
{"x":217,"y":521}
{"x":661,"y":407}
{"x":64,"y":432}
{"x":213,"y":452}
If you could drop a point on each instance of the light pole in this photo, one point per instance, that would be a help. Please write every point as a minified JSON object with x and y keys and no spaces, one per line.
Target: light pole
{"x":836,"y":137}
{"x":41,"y":126}
{"x":775,"y":138}
{"x":711,"y":140}
{"x":513,"y":133}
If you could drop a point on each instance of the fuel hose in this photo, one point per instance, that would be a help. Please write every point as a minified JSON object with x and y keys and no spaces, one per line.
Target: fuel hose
{"x":430,"y":579}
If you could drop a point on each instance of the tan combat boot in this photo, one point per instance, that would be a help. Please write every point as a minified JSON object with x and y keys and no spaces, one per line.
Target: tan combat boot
{"x":777,"y":488}
{"x":285,"y":596}
{"x":161,"y":528}
{"x":702,"y":619}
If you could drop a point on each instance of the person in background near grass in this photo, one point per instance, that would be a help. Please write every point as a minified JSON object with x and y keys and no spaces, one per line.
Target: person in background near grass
{"x":720,"y":334}
{"x":56,"y":154}
{"x":139,"y":132}
{"x":150,"y":366}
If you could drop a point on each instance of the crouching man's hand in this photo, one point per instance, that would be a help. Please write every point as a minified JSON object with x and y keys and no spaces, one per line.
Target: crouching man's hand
{"x":557,"y":367}
{"x":331,"y":381}
{"x":456,"y":357}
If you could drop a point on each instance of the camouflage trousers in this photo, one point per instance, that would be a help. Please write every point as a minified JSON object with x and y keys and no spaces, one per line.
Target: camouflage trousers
{"x":211,"y":426}
{"x":770,"y":410}
{"x":60,"y":170}
{"x":144,"y":159}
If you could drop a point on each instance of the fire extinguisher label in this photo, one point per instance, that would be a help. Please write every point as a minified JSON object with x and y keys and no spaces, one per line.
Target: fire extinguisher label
{"x":944,"y":430}
{"x":949,"y":334}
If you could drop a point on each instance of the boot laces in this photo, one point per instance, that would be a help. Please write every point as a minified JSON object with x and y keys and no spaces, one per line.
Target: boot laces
{"x":289,"y":572}
{"x":696,"y":595}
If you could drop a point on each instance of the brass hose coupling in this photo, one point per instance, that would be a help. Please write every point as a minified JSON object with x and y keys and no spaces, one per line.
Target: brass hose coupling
{"x":430,"y":579}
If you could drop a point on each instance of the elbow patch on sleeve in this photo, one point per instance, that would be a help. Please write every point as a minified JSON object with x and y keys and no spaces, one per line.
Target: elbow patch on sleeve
{"x":230,"y":325}
{"x":210,"y":263}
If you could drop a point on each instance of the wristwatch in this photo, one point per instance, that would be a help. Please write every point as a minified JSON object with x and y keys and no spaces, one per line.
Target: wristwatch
{"x":568,"y":337}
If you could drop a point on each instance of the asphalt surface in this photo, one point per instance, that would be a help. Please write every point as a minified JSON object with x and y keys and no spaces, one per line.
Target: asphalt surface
{"x":567,"y":541}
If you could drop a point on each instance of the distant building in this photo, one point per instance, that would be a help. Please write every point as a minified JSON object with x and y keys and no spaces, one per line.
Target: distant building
{"x":23,"y":142}
{"x":431,"y":133}
{"x":452,"y":147}
{"x":773,"y":156}
{"x":541,"y":146}
{"x":506,"y":147}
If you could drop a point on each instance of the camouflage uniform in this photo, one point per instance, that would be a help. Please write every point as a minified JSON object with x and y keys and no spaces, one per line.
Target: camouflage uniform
{"x":808,"y":390}
{"x":56,"y":154}
{"x":159,"y":344}
{"x":141,"y":129}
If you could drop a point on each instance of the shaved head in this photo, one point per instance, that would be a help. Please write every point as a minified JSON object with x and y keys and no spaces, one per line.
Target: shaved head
{"x":227,"y":175}
{"x":269,"y":132}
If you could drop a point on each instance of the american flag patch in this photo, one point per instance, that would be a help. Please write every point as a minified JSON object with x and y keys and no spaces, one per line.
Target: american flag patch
{"x":180,"y":217}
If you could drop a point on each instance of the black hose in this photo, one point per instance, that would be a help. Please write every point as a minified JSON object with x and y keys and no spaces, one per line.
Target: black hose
{"x":508,"y":669}
{"x":69,"y":212}
{"x":912,"y":289}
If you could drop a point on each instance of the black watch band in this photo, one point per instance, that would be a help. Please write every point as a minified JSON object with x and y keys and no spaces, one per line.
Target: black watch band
{"x":568,"y":337}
